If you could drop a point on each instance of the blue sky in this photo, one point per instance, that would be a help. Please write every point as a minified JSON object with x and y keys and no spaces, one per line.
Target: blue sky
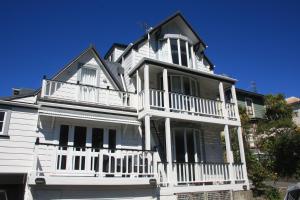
{"x":251,"y":40}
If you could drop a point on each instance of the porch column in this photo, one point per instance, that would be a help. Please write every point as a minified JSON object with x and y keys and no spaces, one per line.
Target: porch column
{"x":147,"y":132}
{"x":168,"y":149}
{"x":229,"y":155}
{"x":242,"y":152}
{"x":146,"y":88}
{"x":166,"y":89}
{"x":222,"y":98}
{"x":236,"y":108}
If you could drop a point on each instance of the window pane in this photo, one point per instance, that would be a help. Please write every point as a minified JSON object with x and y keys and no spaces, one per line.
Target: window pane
{"x":2,"y":116}
{"x":183,"y":53}
{"x":1,"y":126}
{"x":79,"y":136}
{"x":174,"y":50}
{"x":112,"y":139}
{"x":97,"y":138}
{"x":63,"y":136}
{"x":176,"y":84}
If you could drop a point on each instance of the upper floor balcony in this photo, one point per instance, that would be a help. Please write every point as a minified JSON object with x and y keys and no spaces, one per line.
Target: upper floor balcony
{"x":87,"y":94}
{"x":170,"y":92}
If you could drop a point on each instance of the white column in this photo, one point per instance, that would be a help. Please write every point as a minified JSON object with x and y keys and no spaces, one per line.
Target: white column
{"x":166,"y":89}
{"x":168,"y":148}
{"x":146,"y":88}
{"x":169,"y":50}
{"x":140,"y":131}
{"x":195,"y":146}
{"x":242,"y":152}
{"x":186,"y":159}
{"x":227,"y":143}
{"x":236,"y":108}
{"x":88,"y":150}
{"x":222,"y":98}
{"x":229,"y":155}
{"x":187,"y":54}
{"x":193,"y":58}
{"x":147,"y":133}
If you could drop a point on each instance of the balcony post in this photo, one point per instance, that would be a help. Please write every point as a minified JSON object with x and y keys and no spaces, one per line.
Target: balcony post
{"x":146,"y":88}
{"x":229,"y":155}
{"x":236,"y":108}
{"x":166,"y":90}
{"x":168,"y":150}
{"x":242,"y":153}
{"x":222,"y":98}
{"x":44,"y":85}
{"x":147,"y":132}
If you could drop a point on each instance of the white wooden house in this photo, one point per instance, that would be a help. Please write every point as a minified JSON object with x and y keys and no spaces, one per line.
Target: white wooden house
{"x":144,"y":122}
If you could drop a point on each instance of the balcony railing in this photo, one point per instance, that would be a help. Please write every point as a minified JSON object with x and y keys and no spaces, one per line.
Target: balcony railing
{"x":201,"y":173}
{"x":87,"y":94}
{"x":186,"y":104}
{"x":54,"y":160}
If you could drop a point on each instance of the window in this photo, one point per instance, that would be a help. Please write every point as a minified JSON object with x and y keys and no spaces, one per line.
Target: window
{"x":97,"y":138}
{"x":183,"y":50}
{"x":2,"y":121}
{"x":183,"y":53}
{"x":249,"y":106}
{"x":174,"y":50}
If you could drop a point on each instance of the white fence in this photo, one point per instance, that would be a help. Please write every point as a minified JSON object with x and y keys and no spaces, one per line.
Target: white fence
{"x":54,"y":160}
{"x":231,"y":110}
{"x":191,"y":104}
{"x":194,"y":173}
{"x":88,"y":94}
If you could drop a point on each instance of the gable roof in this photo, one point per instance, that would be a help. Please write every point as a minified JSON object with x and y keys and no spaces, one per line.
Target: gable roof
{"x":157,"y":27}
{"x":114,"y":45}
{"x":108,"y":68}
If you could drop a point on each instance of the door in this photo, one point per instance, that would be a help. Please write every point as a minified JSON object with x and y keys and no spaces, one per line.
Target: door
{"x":88,"y":81}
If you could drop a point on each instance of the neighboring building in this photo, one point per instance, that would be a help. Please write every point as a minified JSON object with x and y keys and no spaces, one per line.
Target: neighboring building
{"x":295,"y":104}
{"x":143,"y":123}
{"x":254,"y":105}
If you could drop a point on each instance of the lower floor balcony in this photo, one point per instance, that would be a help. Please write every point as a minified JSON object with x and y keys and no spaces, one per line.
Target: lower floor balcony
{"x":73,"y":165}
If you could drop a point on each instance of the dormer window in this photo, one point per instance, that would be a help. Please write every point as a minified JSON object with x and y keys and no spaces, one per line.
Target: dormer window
{"x":180,"y":49}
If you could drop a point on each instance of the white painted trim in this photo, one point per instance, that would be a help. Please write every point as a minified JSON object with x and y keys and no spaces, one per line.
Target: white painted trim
{"x":87,"y":117}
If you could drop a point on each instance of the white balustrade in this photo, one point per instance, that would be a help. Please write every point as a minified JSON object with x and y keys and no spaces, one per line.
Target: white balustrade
{"x":83,"y":161}
{"x":238,"y":172}
{"x":231,"y":110}
{"x":196,"y":105}
{"x":201,"y":172}
{"x":156,"y":98}
{"x":88,"y":94}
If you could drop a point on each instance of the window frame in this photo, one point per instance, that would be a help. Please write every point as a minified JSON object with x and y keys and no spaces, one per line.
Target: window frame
{"x":187,"y":44}
{"x":6,"y":119}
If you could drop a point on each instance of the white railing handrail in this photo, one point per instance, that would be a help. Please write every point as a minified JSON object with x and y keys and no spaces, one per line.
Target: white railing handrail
{"x":87,"y":93}
{"x":98,"y":162}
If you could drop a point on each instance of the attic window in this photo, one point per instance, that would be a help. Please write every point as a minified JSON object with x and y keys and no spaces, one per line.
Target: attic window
{"x":180,"y":50}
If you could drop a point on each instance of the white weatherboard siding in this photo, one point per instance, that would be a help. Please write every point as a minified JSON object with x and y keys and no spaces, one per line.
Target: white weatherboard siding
{"x":31,"y":99}
{"x":16,"y":152}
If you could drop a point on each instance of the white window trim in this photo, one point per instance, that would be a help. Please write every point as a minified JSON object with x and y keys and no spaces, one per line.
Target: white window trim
{"x":7,"y":114}
{"x":93,"y":67}
{"x":252,"y":105}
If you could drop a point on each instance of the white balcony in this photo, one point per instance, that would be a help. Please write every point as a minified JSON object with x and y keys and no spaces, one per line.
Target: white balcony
{"x":82,"y":165}
{"x":186,"y":104}
{"x":201,"y":174}
{"x":69,"y":165}
{"x":58,"y":90}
